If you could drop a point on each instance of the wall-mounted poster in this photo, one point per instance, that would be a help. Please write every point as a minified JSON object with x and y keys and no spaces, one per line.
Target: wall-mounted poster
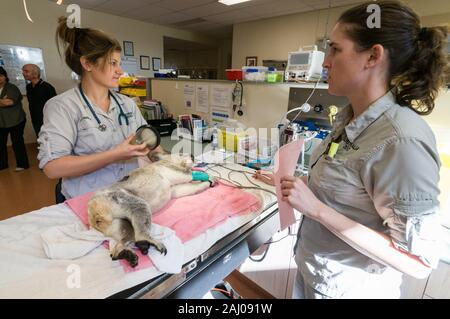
{"x":145,"y":62}
{"x":156,"y":63}
{"x":128,"y":48}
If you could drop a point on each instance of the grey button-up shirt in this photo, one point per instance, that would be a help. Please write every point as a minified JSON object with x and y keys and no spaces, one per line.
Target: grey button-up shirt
{"x":70,"y":129}
{"x":388,"y":181}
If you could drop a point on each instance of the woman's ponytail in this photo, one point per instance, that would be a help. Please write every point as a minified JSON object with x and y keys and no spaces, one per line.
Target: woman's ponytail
{"x":419,"y":85}
{"x":67,"y":39}
{"x":83,"y":42}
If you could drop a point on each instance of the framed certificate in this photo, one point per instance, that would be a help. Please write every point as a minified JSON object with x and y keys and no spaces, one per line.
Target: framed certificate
{"x":128,"y":48}
{"x":156,"y":63}
{"x":145,"y":62}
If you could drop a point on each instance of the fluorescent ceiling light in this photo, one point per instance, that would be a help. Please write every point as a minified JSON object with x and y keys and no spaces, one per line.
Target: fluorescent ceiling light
{"x":231,"y":2}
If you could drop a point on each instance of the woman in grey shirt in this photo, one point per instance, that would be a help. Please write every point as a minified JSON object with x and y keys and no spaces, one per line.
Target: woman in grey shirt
{"x":85,"y":138}
{"x":371,"y":209}
{"x":12,"y":122}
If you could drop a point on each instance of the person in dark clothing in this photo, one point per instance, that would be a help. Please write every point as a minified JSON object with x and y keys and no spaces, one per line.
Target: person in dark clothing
{"x":12,"y":121}
{"x":38,"y":93}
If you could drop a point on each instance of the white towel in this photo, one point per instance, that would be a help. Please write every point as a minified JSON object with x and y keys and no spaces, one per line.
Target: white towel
{"x":70,"y":241}
{"x":173,"y":261}
{"x":74,"y":241}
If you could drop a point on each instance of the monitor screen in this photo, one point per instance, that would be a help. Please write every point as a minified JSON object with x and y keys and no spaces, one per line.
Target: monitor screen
{"x":299,"y":58}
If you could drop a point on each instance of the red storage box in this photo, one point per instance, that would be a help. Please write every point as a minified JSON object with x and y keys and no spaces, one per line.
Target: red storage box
{"x":234,"y":74}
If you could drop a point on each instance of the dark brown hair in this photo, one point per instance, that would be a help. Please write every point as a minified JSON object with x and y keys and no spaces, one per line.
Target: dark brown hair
{"x":418,"y":59}
{"x":4,"y":73}
{"x":90,"y":43}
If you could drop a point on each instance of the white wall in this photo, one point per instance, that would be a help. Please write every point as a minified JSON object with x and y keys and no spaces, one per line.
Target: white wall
{"x":15,"y":29}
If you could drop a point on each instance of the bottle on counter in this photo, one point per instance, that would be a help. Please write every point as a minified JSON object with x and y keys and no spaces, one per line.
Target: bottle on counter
{"x":215,"y":137}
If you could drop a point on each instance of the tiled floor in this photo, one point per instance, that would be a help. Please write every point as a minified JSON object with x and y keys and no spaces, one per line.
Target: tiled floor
{"x":25,"y":191}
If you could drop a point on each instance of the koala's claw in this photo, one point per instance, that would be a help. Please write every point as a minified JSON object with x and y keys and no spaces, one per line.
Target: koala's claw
{"x":161,"y":248}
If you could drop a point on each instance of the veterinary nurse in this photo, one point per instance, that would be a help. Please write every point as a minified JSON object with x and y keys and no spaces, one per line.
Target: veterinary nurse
{"x":371,"y":209}
{"x":87,"y":129}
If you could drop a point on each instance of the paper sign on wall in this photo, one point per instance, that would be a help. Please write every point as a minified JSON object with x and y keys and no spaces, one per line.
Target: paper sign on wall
{"x":219,"y":115}
{"x":221,"y":96}
{"x":189,"y":95}
{"x":202,"y":98}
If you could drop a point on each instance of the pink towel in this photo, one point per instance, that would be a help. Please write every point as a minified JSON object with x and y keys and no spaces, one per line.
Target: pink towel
{"x":188,"y":216}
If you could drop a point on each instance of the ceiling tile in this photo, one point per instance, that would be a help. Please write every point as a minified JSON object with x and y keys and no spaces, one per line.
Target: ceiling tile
{"x":86,"y":4}
{"x":274,"y":7}
{"x":117,"y":6}
{"x":230,"y":16}
{"x":178,"y":5}
{"x":146,"y":12}
{"x":249,"y":4}
{"x":170,"y":18}
{"x":208,"y":9}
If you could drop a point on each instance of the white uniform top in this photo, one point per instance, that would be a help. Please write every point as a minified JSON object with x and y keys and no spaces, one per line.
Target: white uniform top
{"x":70,"y":129}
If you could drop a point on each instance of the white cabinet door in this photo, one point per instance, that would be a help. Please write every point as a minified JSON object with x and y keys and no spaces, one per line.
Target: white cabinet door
{"x":272,"y":274}
{"x":412,"y":288}
{"x":439,"y":283}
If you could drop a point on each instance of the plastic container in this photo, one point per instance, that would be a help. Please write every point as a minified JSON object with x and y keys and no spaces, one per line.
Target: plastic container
{"x":255,"y":73}
{"x":228,"y":139}
{"x":234,"y":74}
{"x":275,"y":76}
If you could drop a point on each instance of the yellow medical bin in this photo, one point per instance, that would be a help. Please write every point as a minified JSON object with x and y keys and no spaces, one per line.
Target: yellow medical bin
{"x":229,"y":140}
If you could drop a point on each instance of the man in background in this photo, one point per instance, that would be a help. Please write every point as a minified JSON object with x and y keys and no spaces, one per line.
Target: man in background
{"x":38,"y":93}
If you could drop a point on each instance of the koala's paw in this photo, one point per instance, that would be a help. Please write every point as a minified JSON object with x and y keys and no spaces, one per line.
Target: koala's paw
{"x":143,"y":246}
{"x":129,"y":256}
{"x":213,"y":181}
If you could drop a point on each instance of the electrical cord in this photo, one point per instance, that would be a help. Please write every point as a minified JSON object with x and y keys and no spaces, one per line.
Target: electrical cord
{"x":237,"y":184}
{"x":262,"y":257}
{"x":307,"y":100}
{"x":268,"y":243}
{"x":240,"y":113}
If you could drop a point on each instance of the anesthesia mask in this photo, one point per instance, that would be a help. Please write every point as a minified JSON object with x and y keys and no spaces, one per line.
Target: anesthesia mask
{"x":147,"y":134}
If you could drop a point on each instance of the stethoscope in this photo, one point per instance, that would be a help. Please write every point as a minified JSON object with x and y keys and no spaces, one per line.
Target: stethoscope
{"x":101,"y":126}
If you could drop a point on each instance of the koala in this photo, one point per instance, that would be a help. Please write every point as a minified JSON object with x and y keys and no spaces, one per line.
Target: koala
{"x":123,"y":211}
